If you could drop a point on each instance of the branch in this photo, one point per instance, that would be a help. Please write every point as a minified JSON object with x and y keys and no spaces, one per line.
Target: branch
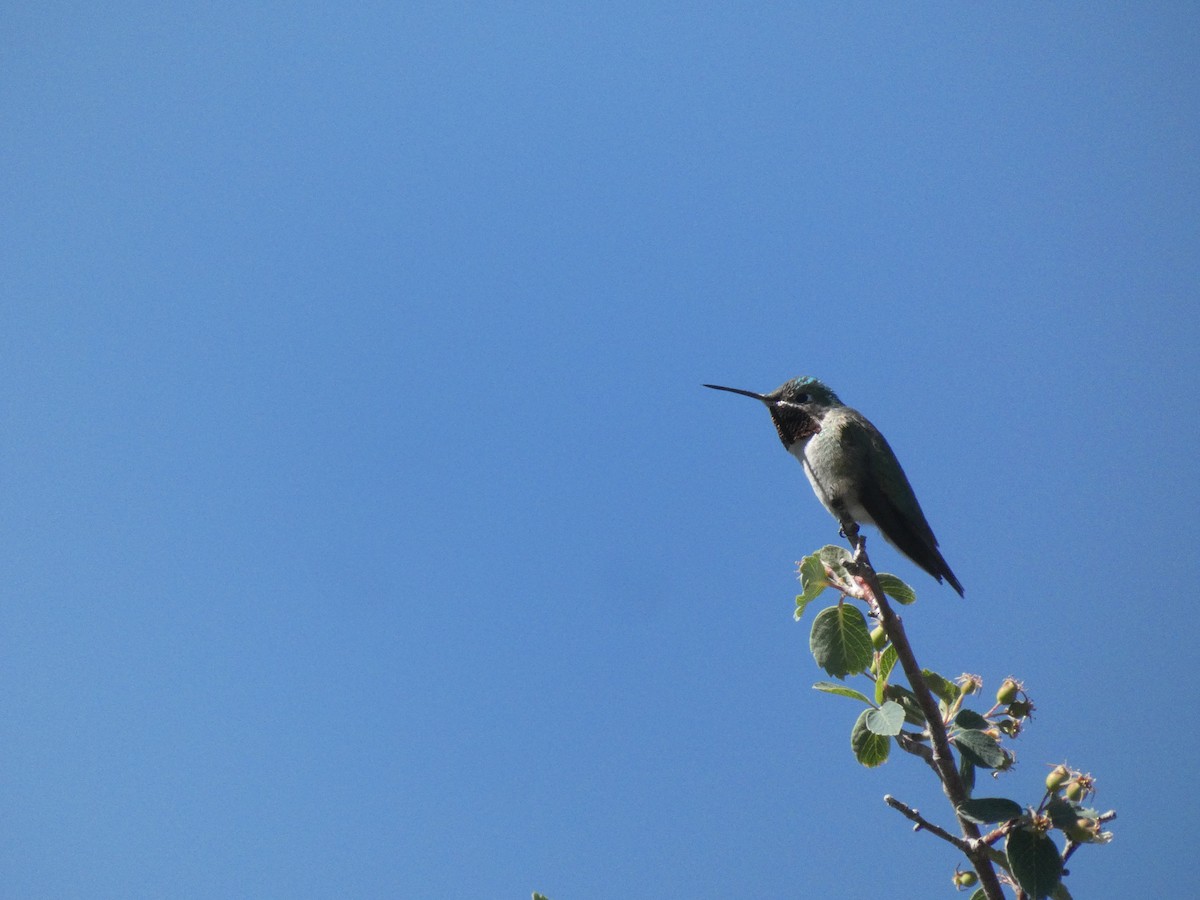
{"x":924,"y":824}
{"x":996,"y":833}
{"x":943,"y":757}
{"x":911,"y":744}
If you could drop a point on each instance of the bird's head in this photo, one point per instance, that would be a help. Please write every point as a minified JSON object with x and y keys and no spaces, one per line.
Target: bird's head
{"x":805,"y":391}
{"x":796,"y":407}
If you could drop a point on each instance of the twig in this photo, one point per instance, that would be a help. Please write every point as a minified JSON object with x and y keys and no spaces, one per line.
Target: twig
{"x":911,"y":744}
{"x":925,"y":824}
{"x":996,"y":833}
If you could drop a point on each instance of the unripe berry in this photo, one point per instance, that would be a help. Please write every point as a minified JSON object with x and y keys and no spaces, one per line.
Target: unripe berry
{"x":1057,"y":778}
{"x":878,"y":637}
{"x":1083,"y":831}
{"x":1075,"y":791}
{"x":965,"y":879}
{"x":1008,"y":691}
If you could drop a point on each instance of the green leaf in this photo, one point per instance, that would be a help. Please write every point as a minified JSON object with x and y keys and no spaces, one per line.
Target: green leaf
{"x":801,"y":605}
{"x":887,"y":720}
{"x":897,"y":589}
{"x":841,"y":690}
{"x":979,"y":894}
{"x":986,"y":810}
{"x":907,"y":699}
{"x":979,"y":748}
{"x":812,"y":581}
{"x":968,"y":718}
{"x":966,"y":771}
{"x":887,"y":662}
{"x":1060,"y":892}
{"x":840,"y":641}
{"x":942,"y":688}
{"x":835,"y":557}
{"x":869,"y":749}
{"x":1063,"y":812}
{"x":1034,"y":861}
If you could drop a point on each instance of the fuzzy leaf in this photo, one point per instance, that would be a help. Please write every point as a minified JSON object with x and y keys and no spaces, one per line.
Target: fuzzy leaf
{"x":869,"y":749}
{"x":980,"y":748}
{"x":887,"y":720}
{"x":942,"y":688}
{"x":966,"y":771}
{"x":897,"y":589}
{"x":906,"y":698}
{"x":840,"y":641}
{"x":812,"y":581}
{"x":968,"y":718}
{"x":986,"y":810}
{"x":1034,"y":861}
{"x":887,"y":662}
{"x":1063,"y":812}
{"x":834,"y":559}
{"x":841,"y":690}
{"x":801,"y":606}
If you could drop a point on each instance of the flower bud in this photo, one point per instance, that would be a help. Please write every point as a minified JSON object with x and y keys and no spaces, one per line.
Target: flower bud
{"x":970,"y":684}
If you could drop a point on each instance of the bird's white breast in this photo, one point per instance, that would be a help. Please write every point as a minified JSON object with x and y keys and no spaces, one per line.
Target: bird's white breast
{"x":819,"y":456}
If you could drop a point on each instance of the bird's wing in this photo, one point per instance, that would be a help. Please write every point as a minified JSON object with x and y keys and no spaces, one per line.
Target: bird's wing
{"x":885,"y":493}
{"x":889,"y":500}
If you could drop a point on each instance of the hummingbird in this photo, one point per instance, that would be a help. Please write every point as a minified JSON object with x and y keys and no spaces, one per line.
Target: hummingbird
{"x":851,"y":468}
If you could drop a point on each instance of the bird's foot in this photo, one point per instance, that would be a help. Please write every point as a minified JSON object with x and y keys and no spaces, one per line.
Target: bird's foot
{"x":850,"y":532}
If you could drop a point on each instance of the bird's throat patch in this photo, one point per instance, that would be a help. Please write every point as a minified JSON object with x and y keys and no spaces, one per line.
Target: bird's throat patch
{"x":793,"y":423}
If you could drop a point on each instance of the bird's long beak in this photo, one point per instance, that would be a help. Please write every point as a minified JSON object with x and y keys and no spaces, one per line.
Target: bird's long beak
{"x":718,"y":387}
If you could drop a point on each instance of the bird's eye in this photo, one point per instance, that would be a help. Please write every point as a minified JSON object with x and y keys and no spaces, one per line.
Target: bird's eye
{"x":801,"y":398}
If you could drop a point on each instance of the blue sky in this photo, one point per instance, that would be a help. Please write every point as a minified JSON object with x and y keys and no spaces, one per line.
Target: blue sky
{"x":367,"y":531}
